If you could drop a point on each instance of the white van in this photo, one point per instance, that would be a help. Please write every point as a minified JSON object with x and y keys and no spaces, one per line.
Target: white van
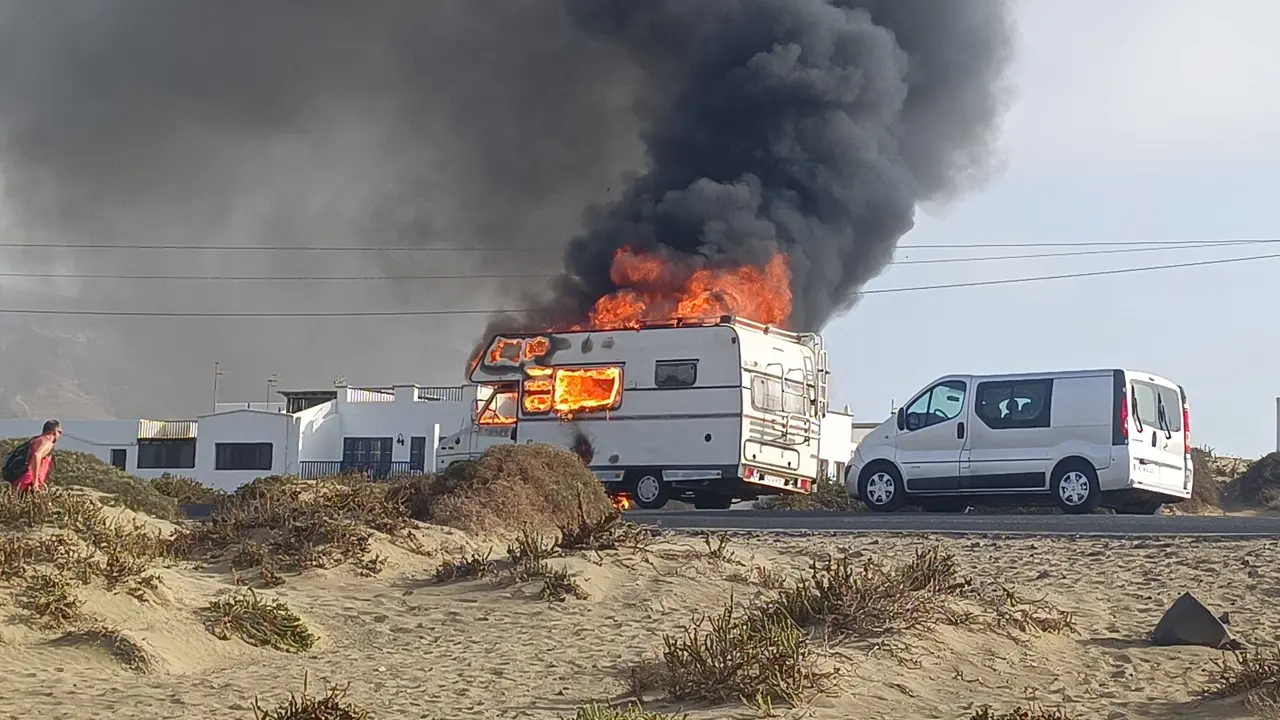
{"x":1114,"y":438}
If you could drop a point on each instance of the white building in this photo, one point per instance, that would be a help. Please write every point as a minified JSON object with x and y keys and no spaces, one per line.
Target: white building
{"x":382,"y":431}
{"x":840,"y":437}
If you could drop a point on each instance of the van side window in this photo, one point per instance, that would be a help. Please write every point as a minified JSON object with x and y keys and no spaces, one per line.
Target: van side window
{"x":675,"y":373}
{"x":1020,"y":404}
{"x":942,"y":402}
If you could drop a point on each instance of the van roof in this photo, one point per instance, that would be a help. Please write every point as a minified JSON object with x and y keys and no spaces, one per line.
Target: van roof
{"x":1066,"y":374}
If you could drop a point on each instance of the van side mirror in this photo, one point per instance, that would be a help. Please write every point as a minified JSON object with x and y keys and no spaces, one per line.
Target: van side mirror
{"x":902,"y":418}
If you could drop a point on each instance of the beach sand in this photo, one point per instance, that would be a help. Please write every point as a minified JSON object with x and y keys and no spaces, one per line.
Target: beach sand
{"x":412,"y":649}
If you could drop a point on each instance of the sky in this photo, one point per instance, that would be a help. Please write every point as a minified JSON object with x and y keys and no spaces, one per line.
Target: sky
{"x":1129,"y":120}
{"x":1155,"y":125}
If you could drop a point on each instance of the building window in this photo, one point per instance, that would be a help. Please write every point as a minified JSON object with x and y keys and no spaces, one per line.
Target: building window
{"x":417,"y":453}
{"x":119,"y":458}
{"x":1016,"y":405}
{"x":675,"y":373}
{"x":242,"y":456}
{"x":166,"y":454}
{"x":366,"y":452}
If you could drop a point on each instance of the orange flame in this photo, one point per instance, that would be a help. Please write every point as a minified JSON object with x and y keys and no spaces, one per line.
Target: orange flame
{"x":622,"y":502}
{"x":587,"y":389}
{"x":655,"y":288}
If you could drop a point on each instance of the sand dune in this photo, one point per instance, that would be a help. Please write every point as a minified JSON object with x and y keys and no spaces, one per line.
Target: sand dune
{"x":415,"y":649}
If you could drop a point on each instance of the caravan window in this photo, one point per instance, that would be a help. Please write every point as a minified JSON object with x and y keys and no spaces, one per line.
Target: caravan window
{"x":675,"y":373}
{"x":766,"y":393}
{"x":774,"y":393}
{"x":795,"y":401}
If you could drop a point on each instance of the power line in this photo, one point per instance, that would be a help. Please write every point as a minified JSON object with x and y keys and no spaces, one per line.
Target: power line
{"x":474,"y":249}
{"x":425,"y":313}
{"x":1080,"y":253}
{"x":536,"y":276}
{"x":279,"y":248}
{"x":1108,"y":243}
{"x":1066,"y":276}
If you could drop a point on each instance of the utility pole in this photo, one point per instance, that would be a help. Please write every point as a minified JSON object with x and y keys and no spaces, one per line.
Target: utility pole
{"x":217,"y":372}
{"x":272,"y":381}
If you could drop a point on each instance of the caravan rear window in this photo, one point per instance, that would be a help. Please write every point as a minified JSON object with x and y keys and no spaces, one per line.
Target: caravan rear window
{"x":1149,"y":399}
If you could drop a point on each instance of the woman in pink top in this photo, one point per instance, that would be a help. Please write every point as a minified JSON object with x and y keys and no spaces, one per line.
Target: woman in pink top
{"x":39,"y":457}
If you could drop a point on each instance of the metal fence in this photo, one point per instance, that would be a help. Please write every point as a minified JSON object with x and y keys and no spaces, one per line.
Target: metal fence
{"x":312,"y":469}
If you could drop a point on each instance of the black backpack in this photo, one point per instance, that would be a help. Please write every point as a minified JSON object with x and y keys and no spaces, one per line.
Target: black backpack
{"x":15,"y":463}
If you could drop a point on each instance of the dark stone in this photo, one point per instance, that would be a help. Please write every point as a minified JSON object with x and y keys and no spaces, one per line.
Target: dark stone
{"x":1189,"y":622}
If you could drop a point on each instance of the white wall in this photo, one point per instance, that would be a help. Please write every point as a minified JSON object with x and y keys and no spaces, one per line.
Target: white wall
{"x":246,"y":426}
{"x":407,"y":416}
{"x":96,"y":437}
{"x":319,"y":431}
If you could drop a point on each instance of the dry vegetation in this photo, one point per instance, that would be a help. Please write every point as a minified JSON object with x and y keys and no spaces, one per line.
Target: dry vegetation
{"x":787,"y":642}
{"x":332,"y":705}
{"x":773,"y":650}
{"x":829,"y":495}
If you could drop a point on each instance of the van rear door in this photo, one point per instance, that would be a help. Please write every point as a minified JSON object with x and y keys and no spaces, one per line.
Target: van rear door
{"x":1156,"y":434}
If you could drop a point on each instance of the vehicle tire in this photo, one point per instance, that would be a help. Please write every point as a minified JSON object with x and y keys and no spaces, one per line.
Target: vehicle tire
{"x":712,"y":501}
{"x":881,"y":489}
{"x":1075,"y":488}
{"x":649,"y":491}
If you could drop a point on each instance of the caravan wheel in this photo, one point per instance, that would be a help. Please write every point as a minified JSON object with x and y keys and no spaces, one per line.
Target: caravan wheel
{"x":649,"y":491}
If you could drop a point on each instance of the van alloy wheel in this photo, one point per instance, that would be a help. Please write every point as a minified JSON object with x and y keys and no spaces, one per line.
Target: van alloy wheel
{"x":880,"y":489}
{"x":1074,"y":488}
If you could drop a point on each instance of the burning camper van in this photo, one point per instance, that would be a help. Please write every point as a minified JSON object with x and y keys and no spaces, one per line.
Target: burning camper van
{"x":709,"y":411}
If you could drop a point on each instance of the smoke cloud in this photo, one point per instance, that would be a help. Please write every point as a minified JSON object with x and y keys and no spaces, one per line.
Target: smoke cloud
{"x":810,"y":127}
{"x":717,"y":129}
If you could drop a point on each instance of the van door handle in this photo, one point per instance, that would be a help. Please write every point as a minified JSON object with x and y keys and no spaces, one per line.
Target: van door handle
{"x":960,"y":431}
{"x":1153,"y":438}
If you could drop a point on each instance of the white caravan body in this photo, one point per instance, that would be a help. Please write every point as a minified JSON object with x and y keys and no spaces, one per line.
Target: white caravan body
{"x":1116,"y":438}
{"x":711,"y":411}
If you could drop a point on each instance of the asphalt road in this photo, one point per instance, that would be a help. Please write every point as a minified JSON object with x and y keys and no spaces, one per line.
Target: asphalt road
{"x":947,"y":524}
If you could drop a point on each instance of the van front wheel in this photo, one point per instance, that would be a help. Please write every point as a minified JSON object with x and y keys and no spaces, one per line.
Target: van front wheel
{"x":1075,"y":488}
{"x":881,"y":489}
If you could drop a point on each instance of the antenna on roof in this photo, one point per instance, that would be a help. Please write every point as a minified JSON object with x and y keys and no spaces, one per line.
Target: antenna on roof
{"x":340,"y":381}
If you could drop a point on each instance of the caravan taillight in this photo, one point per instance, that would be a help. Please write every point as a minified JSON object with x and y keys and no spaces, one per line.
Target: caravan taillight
{"x":1124,"y":414}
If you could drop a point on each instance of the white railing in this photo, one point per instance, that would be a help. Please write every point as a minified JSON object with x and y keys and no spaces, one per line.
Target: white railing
{"x":166,"y":429}
{"x":361,"y":395}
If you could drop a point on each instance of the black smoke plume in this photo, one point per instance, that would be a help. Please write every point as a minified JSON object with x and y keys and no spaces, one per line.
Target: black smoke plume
{"x":810,"y":126}
{"x":814,"y":126}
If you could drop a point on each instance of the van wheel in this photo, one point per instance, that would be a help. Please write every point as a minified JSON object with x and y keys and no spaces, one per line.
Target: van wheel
{"x":881,"y":489}
{"x":1075,"y":488}
{"x":712,"y":501}
{"x":649,"y":491}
